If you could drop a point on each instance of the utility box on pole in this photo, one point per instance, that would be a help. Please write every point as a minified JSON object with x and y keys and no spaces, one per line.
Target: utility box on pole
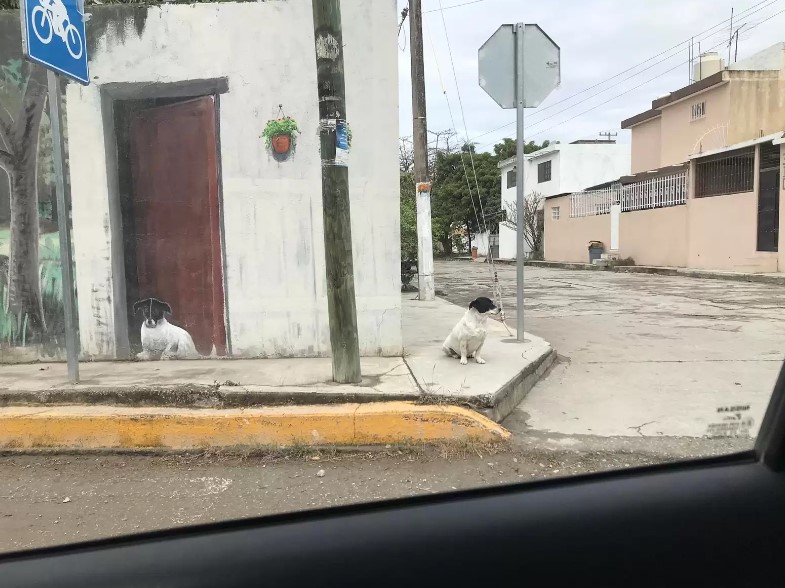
{"x":519,"y":66}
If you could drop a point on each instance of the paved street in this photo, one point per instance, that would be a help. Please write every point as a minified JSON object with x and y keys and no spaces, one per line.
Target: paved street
{"x":639,"y":354}
{"x":645,"y":362}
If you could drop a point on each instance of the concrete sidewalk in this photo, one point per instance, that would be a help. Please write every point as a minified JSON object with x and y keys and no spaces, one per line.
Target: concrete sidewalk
{"x":205,"y":383}
{"x":761,"y":278}
{"x":511,"y":371}
{"x":424,"y":373}
{"x":223,"y":402}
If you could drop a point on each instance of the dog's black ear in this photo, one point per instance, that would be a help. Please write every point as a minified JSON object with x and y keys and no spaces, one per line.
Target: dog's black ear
{"x":482,"y":304}
{"x":162,"y":306}
{"x":141,"y":304}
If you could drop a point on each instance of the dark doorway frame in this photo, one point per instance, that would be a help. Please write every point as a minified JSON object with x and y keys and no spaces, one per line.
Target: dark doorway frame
{"x":768,"y":209}
{"x":119,"y":100}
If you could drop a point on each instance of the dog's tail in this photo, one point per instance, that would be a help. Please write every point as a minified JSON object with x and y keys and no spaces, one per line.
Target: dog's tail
{"x":449,"y":351}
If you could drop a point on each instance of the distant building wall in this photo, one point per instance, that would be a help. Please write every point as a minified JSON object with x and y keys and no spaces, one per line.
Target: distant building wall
{"x":645,"y":148}
{"x":567,"y":239}
{"x":573,"y":167}
{"x":722,"y":234}
{"x":717,"y":232}
{"x":758,"y":105}
{"x":587,"y":165}
{"x":680,"y":134}
{"x":655,"y":237}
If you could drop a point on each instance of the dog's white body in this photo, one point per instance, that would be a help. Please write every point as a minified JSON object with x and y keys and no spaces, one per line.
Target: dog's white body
{"x":467,"y":337}
{"x":166,"y":341}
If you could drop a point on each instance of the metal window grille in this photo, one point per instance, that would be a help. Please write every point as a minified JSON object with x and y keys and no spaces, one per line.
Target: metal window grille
{"x":512,"y":179}
{"x":698,"y":110}
{"x":670,"y":190}
{"x":727,"y":173}
{"x":544,"y":172}
{"x":555,"y":213}
{"x":594,"y":202}
{"x":769,"y":156}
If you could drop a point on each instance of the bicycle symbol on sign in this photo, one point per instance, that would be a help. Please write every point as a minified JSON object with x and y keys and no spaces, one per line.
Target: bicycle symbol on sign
{"x":51,"y":18}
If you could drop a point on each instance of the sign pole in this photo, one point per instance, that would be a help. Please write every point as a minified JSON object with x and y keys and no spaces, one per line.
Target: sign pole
{"x":519,"y":178}
{"x":64,"y":227}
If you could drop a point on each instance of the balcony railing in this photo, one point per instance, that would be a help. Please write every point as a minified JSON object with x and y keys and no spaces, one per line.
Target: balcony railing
{"x":670,"y":190}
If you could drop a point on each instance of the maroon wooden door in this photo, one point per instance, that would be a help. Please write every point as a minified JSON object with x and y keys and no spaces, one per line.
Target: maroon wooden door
{"x":178,"y":244}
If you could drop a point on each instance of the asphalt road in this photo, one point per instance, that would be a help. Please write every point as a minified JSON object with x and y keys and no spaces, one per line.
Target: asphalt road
{"x":639,"y":354}
{"x":644,"y":363}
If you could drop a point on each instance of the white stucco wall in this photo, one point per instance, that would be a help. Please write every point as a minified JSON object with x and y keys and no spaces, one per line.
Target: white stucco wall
{"x":272,"y":211}
{"x":480,"y":241}
{"x":573,"y":168}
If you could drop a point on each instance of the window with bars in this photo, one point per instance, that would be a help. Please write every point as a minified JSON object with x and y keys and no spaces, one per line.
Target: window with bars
{"x":726,"y":173}
{"x":769,"y":156}
{"x":544,"y":172}
{"x":512,"y":179}
{"x":555,"y":213}
{"x":698,"y":110}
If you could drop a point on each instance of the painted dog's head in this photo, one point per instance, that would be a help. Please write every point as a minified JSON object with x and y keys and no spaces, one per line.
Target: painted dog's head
{"x":153,"y":311}
{"x":484,"y":305}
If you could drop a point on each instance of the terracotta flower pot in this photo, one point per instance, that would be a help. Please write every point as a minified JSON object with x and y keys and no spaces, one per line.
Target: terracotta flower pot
{"x":281,"y":143}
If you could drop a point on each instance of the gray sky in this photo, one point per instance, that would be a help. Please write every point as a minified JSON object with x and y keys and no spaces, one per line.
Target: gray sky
{"x":598,"y":39}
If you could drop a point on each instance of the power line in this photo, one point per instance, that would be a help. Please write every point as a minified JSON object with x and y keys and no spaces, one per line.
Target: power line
{"x":480,"y":225}
{"x":681,"y":64}
{"x":749,"y":12}
{"x":463,"y":118}
{"x":635,"y":87}
{"x":440,"y":9}
{"x":452,"y":120}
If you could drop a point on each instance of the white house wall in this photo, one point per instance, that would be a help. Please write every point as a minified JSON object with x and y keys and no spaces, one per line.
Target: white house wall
{"x":574,"y":167}
{"x":275,"y":273}
{"x":587,"y":165}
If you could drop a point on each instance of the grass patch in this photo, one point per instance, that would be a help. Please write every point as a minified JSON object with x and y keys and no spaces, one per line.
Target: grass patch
{"x":626,"y":261}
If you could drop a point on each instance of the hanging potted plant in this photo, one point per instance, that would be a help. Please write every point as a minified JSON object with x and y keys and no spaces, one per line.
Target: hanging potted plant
{"x":280,"y":135}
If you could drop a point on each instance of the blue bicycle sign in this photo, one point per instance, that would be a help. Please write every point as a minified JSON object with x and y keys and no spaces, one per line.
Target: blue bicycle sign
{"x":54,"y":35}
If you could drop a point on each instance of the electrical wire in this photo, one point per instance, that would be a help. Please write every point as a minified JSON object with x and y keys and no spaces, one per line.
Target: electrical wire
{"x":747,"y":13}
{"x":440,"y":9}
{"x":723,"y":42}
{"x":481,"y":224}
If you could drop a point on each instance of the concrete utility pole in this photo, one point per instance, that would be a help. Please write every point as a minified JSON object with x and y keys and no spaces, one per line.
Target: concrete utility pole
{"x":341,"y":305}
{"x":420,"y":142}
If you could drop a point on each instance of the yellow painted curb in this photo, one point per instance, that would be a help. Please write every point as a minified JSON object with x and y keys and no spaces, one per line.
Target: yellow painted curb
{"x":111,"y":427}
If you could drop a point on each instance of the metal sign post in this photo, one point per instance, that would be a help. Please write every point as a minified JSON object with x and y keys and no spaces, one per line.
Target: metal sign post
{"x":64,"y":228}
{"x":519,"y":180}
{"x":519,"y":66}
{"x":53,"y":35}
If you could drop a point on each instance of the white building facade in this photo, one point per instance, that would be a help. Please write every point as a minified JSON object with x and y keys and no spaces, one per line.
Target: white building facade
{"x":252,"y":62}
{"x":559,"y":169}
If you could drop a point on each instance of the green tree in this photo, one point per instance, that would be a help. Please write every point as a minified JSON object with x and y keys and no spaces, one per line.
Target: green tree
{"x":506,"y":148}
{"x":454,"y":194}
{"x":408,"y":218}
